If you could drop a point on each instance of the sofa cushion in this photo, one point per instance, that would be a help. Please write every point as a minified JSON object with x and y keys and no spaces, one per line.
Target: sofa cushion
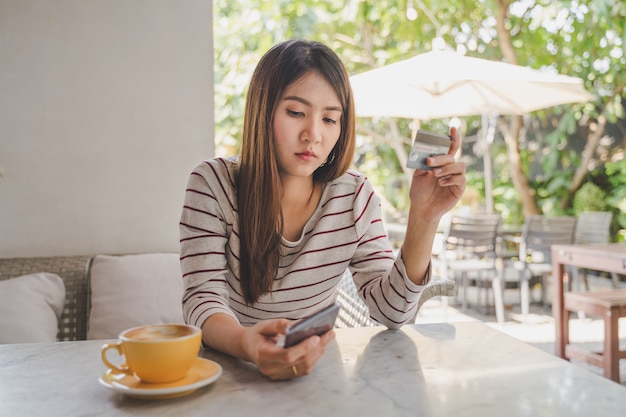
{"x":133,"y":290}
{"x":30,"y":308}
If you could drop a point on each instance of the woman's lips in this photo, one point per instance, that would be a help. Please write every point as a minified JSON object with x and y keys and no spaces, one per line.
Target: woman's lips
{"x":306,"y":156}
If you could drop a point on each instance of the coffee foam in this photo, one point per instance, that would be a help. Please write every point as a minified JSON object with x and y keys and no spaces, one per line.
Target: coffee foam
{"x":159,"y":332}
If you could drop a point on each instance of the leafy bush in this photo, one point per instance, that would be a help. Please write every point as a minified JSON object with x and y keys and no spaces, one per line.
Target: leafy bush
{"x":590,"y":197}
{"x":616,"y":173}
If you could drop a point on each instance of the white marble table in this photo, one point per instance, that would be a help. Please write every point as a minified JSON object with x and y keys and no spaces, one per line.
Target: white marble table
{"x":460,"y":369}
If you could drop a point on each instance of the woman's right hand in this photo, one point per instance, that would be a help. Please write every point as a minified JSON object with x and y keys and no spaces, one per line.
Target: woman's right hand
{"x":277,"y":362}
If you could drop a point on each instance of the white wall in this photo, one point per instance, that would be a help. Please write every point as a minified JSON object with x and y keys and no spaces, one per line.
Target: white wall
{"x":105,"y":107}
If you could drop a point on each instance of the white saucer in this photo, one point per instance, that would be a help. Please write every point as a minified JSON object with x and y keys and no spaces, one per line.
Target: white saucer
{"x":202,"y":373}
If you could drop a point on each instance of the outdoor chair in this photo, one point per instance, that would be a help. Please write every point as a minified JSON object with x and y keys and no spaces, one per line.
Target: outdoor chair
{"x":354,"y":312}
{"x":535,"y":258}
{"x":469,"y":256}
{"x":591,"y":227}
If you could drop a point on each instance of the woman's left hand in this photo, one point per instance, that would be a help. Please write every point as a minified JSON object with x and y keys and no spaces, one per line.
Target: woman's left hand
{"x":435,"y":192}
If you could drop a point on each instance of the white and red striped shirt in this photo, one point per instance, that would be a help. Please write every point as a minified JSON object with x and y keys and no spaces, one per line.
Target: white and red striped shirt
{"x":345,"y":231}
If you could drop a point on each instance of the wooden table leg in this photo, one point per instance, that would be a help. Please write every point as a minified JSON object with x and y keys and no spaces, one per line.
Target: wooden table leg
{"x":611,"y":346}
{"x":561,"y":322}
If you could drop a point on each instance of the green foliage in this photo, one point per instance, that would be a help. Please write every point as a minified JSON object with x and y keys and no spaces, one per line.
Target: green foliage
{"x":590,"y":197}
{"x":616,"y":172}
{"x":582,"y":38}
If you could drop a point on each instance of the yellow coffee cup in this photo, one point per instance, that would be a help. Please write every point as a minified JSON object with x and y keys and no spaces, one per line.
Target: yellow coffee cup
{"x":156,"y":353}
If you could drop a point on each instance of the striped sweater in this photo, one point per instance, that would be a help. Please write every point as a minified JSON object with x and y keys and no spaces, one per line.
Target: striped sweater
{"x":345,"y":231}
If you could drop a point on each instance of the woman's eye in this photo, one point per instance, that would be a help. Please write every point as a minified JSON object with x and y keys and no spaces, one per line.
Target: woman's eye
{"x":329,"y":120}
{"x":294,"y":113}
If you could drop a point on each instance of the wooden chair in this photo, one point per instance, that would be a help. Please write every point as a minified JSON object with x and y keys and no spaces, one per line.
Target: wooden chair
{"x":610,"y":305}
{"x":469,"y":249}
{"x":535,"y":256}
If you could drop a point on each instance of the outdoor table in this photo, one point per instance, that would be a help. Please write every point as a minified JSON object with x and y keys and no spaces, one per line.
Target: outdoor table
{"x":441,"y":369}
{"x":609,"y":257}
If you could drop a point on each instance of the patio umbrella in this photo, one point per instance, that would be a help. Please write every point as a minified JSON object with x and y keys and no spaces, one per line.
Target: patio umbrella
{"x":441,"y":83}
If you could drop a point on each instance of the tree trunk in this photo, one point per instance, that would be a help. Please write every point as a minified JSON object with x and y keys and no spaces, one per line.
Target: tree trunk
{"x":512,"y":132}
{"x":520,"y":182}
{"x":590,"y":149}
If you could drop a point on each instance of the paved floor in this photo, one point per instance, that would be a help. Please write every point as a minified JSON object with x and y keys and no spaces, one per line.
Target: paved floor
{"x":538,"y":330}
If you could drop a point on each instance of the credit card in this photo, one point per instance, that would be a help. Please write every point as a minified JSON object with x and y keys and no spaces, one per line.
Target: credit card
{"x":427,"y":144}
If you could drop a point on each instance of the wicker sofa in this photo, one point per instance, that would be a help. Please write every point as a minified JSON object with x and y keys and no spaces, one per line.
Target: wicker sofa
{"x":104,"y":294}
{"x":84,"y":296}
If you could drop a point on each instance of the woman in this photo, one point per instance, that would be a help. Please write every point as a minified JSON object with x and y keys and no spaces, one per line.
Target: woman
{"x":267,"y":235}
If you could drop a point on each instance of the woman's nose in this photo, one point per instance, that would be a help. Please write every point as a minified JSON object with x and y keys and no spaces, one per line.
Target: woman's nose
{"x":312,"y":131}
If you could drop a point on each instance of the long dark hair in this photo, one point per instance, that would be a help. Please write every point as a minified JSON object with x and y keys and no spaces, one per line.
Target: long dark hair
{"x":258,"y":180}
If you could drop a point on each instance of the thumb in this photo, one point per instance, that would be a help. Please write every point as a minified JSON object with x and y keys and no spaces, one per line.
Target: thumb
{"x":273,"y":327}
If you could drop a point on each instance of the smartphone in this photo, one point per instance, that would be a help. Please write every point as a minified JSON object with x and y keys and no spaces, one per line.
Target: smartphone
{"x":427,"y":144}
{"x":316,"y":324}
